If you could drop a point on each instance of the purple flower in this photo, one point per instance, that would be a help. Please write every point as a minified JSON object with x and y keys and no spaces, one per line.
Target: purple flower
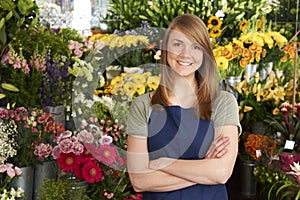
{"x":287,"y":159}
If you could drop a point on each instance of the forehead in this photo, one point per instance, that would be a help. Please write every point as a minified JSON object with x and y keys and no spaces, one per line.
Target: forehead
{"x":178,"y":35}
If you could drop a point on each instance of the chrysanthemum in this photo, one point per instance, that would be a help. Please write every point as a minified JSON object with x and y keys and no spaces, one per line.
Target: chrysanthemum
{"x":91,"y":172}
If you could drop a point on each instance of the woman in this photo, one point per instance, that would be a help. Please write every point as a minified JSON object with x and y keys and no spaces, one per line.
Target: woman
{"x":183,"y":138}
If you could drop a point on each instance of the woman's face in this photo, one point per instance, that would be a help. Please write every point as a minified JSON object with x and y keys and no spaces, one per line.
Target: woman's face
{"x":184,"y":56}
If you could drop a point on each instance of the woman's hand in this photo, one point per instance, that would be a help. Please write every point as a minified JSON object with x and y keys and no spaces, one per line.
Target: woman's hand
{"x":218,"y":147}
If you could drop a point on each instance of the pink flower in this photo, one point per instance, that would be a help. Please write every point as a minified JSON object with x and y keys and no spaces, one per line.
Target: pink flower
{"x":78,"y":53}
{"x":4,"y":114}
{"x":91,"y":172}
{"x":55,"y":152}
{"x":18,"y":171}
{"x":106,"y":154}
{"x":3,"y":168}
{"x":10,"y":172}
{"x":43,"y":151}
{"x":17,"y":63}
{"x":85,"y":136}
{"x":78,"y":148}
{"x":66,"y":145}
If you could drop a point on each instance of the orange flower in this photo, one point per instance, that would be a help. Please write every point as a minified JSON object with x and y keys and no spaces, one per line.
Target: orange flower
{"x":243,"y":63}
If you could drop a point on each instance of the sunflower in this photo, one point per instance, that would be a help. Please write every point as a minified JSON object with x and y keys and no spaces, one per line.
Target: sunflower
{"x":214,"y":33}
{"x":244,"y":24}
{"x":214,"y":22}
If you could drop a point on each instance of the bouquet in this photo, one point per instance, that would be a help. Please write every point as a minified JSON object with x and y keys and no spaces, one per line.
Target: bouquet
{"x":95,"y":153}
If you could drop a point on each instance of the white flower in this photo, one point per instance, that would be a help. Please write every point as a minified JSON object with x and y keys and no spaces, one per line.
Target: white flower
{"x":296,"y":169}
{"x":105,"y":140}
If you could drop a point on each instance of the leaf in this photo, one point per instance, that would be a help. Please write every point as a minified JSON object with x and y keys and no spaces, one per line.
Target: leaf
{"x":2,"y":22}
{"x":9,"y":87}
{"x":8,"y":16}
{"x":2,"y":96}
{"x":7,"y":5}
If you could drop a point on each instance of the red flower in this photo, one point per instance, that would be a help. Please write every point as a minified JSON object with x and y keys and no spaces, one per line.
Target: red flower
{"x":91,"y":172}
{"x":67,"y":162}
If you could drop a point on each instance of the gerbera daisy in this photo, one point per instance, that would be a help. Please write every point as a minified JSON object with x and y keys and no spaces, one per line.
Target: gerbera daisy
{"x":106,"y":154}
{"x":91,"y":172}
{"x":67,"y":162}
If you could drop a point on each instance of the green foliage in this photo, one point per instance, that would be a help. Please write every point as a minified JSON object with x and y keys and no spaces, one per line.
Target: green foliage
{"x":159,"y":13}
{"x":15,"y":15}
{"x":60,"y":189}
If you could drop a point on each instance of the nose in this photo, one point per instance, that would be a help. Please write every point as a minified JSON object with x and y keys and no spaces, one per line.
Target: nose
{"x":185,"y":52}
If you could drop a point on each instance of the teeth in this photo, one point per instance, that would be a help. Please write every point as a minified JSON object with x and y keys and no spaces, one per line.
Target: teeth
{"x":184,"y":63}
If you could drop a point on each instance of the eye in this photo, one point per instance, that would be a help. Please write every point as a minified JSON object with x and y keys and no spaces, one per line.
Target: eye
{"x":177,"y":44}
{"x":196,"y":47}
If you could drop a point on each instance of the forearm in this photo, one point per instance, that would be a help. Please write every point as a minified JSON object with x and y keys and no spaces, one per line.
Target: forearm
{"x":157,"y":181}
{"x":145,"y":179}
{"x":206,"y":171}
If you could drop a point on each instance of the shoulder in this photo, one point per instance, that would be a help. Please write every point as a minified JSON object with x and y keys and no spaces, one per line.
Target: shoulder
{"x":224,"y":98}
{"x":141,"y":104}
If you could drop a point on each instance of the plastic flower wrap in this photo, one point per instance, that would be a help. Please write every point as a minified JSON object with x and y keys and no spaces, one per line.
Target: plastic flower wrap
{"x":128,"y":86}
{"x":128,"y":49}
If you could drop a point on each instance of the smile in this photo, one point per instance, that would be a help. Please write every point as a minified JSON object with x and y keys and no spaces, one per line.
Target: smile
{"x":184,"y":63}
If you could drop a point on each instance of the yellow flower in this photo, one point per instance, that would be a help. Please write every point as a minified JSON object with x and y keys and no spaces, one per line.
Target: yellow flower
{"x":222,"y":63}
{"x":152,"y":82}
{"x":261,"y":22}
{"x":214,"y":22}
{"x":129,"y":89}
{"x":247,"y":108}
{"x":141,"y":89}
{"x":138,"y":79}
{"x":116,"y":81}
{"x":215,"y":32}
{"x":243,"y":25}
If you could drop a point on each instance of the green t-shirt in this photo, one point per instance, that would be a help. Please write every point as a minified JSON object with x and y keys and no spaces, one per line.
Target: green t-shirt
{"x":224,"y":112}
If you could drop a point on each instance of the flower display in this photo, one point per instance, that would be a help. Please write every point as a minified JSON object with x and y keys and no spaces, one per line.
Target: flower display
{"x":128,"y":86}
{"x":129,"y":49}
{"x":255,"y":143}
{"x":7,"y":174}
{"x":26,"y":135}
{"x":258,"y":96}
{"x":253,"y":46}
{"x":95,"y":153}
{"x":286,"y":125}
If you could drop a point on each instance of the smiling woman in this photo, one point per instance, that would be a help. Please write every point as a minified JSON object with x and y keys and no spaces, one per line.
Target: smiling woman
{"x":186,"y":123}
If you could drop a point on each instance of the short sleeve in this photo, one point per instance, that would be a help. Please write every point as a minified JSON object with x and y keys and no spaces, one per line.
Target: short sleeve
{"x":225,"y":111}
{"x":139,"y":112}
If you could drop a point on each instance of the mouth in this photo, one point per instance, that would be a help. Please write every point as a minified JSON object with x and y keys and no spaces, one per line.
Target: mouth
{"x":184,"y":63}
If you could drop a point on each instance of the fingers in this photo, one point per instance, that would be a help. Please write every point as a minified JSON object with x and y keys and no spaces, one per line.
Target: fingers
{"x":218,"y":147}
